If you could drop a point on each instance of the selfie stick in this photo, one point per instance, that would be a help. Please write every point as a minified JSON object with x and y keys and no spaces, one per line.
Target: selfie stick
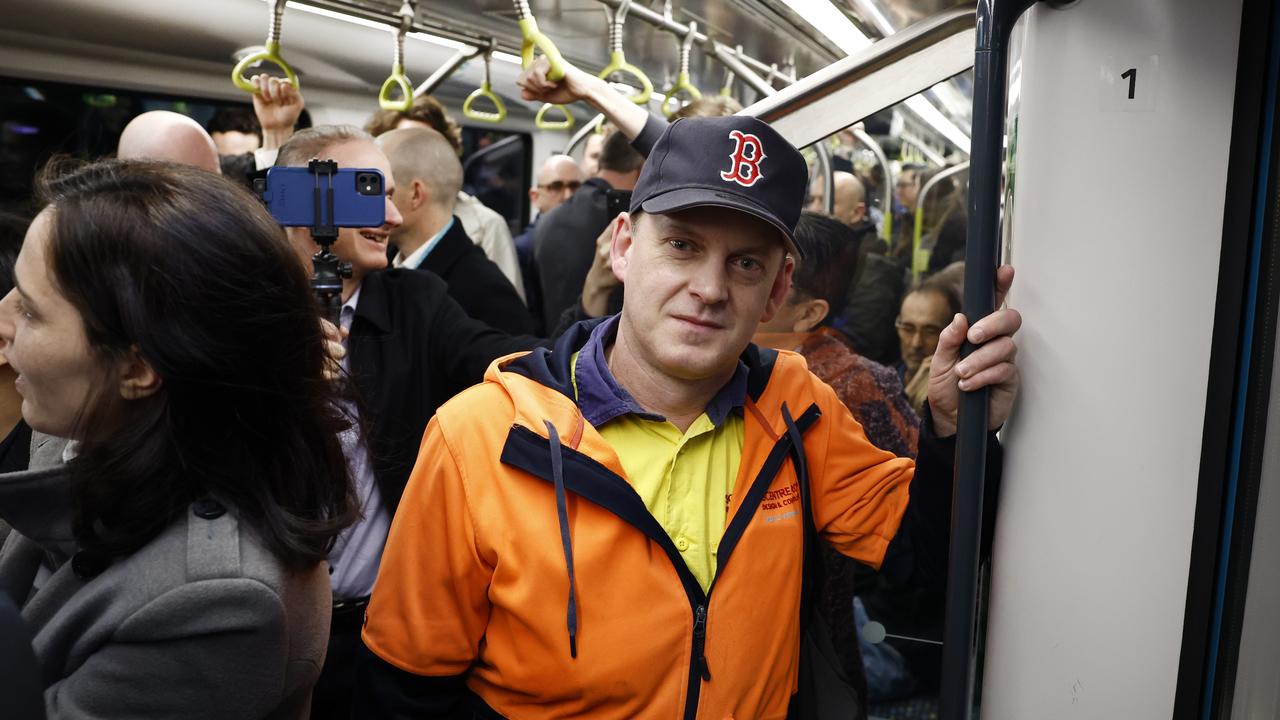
{"x":327,"y":271}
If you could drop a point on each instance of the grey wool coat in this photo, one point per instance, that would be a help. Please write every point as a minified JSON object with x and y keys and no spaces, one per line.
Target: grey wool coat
{"x":202,"y":622}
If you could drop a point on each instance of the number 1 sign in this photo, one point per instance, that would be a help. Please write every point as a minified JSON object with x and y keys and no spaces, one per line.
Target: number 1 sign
{"x":1129,"y":83}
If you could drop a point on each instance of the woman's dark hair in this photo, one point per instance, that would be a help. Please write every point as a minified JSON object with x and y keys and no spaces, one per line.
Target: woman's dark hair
{"x":190,"y":270}
{"x":831,"y":259}
{"x":13,"y":228}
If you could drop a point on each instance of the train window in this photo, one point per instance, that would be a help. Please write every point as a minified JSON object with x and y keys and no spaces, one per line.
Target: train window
{"x":40,"y":119}
{"x":497,"y":170}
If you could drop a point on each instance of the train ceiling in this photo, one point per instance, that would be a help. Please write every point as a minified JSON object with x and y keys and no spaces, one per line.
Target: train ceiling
{"x":346,"y":56}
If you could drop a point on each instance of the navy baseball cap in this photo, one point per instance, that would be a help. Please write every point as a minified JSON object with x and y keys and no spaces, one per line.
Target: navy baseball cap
{"x":734,"y":162}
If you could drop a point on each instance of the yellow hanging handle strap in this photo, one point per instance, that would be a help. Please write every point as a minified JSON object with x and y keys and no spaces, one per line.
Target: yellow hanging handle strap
{"x":541,"y":122}
{"x":270,"y":54}
{"x":682,"y":84}
{"x":533,"y":39}
{"x":397,"y":78}
{"x":485,"y":92}
{"x":618,"y":64}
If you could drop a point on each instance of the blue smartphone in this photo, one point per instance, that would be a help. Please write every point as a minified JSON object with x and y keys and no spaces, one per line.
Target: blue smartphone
{"x":359,"y":197}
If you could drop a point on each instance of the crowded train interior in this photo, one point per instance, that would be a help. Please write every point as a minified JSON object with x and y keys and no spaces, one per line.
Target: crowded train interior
{"x":413,"y":358}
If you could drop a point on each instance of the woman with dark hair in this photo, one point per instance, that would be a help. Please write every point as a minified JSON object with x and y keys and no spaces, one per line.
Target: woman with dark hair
{"x":169,"y":555}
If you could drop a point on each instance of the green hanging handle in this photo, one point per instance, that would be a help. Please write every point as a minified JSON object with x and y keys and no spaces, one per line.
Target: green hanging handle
{"x":534,"y":39}
{"x":485,"y":92}
{"x":617,"y":58}
{"x":397,"y":78}
{"x":270,"y":54}
{"x":682,"y":84}
{"x":541,"y":122}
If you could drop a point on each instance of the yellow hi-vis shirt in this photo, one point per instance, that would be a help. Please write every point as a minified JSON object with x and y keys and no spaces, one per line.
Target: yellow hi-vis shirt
{"x":684,"y":478}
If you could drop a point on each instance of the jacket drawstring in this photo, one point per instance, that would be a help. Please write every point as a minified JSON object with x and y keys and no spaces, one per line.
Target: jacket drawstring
{"x":562,"y":511}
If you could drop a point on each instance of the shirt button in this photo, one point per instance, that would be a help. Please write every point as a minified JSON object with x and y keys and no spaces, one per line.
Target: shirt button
{"x":207,"y":508}
{"x":682,"y":544}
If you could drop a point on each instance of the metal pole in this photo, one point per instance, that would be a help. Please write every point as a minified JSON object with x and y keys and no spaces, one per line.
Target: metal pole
{"x":828,"y":174}
{"x":582,"y":133}
{"x":886,"y":192}
{"x":443,"y":72}
{"x":924,"y":195}
{"x":995,"y":19}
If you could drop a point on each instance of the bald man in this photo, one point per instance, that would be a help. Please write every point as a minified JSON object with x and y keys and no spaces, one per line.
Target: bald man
{"x":557,"y":179}
{"x":164,"y":135}
{"x":428,"y":177}
{"x":851,"y":198}
{"x":868,"y":315}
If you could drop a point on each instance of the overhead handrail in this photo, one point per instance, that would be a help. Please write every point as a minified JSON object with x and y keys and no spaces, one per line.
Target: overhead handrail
{"x":879,"y":76}
{"x":926,"y":152}
{"x":665,"y":21}
{"x":532,"y":40}
{"x":920,"y":257}
{"x":485,"y":92}
{"x":450,"y":66}
{"x":773,"y":74}
{"x":397,"y":77}
{"x":886,"y":192}
{"x":270,"y":53}
{"x":736,"y":63}
{"x":683,"y":84}
{"x":618,"y":64}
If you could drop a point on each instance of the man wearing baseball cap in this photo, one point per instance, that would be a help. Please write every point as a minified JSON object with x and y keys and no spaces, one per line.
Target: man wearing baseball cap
{"x":612,"y":528}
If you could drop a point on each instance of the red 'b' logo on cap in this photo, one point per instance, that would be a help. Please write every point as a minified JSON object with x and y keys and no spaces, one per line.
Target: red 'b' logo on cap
{"x":747,"y":154}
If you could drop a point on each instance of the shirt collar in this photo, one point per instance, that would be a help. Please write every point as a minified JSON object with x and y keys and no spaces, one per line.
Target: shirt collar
{"x":602,"y":399}
{"x":349,"y":308}
{"x":415,"y":260}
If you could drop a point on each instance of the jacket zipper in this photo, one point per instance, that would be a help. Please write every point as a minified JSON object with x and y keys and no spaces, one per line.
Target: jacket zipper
{"x":699,"y":603}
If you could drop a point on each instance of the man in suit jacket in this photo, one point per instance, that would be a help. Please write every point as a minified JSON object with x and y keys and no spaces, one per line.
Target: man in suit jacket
{"x":428,"y":177}
{"x":409,"y":348}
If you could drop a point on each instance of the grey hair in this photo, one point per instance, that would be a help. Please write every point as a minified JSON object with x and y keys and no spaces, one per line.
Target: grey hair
{"x":310,"y":143}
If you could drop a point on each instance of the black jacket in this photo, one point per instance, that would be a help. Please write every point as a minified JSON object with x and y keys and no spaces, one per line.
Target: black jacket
{"x":411,"y":348}
{"x":476,"y":283}
{"x":564,"y":246}
{"x":873,"y":302}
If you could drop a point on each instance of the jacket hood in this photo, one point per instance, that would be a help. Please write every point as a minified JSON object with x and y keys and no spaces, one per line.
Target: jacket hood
{"x":552,"y":369}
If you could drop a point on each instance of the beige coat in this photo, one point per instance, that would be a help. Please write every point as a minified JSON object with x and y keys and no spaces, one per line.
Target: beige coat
{"x":202,"y":622}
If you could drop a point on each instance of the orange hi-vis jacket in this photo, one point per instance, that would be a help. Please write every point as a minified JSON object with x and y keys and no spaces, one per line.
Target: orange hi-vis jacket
{"x":522,"y":564}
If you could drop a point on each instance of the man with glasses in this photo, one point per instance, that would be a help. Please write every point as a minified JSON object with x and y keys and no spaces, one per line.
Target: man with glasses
{"x":557,"y":180}
{"x":926,"y":310}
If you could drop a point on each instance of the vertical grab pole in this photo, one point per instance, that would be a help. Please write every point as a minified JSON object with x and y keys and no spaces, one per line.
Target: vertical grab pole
{"x":995,"y":20}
